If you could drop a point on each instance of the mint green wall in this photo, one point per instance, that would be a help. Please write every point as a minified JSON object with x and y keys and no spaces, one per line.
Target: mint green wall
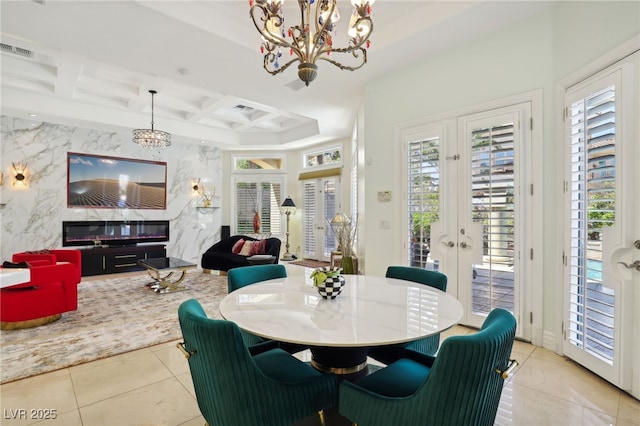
{"x":533,"y":54}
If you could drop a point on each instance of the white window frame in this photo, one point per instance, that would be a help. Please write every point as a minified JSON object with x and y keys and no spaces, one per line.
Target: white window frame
{"x":323,"y":151}
{"x":236,"y":157}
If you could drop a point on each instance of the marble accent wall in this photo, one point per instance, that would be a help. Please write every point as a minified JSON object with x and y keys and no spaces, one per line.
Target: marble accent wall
{"x":31,"y":217}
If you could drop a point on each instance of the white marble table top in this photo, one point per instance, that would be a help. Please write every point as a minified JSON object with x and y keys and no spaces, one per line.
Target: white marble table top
{"x":13,"y":276}
{"x":371,"y":311}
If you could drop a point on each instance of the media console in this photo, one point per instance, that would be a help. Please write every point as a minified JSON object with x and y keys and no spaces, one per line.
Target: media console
{"x":112,"y":260}
{"x":127,"y":242}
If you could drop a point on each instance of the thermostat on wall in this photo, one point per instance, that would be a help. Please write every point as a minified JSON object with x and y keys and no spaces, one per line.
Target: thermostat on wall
{"x":384,"y":196}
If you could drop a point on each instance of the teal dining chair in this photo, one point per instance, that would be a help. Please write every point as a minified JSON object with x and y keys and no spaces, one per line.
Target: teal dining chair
{"x":428,"y":345}
{"x":459,"y":387}
{"x":247,"y":275}
{"x":235,"y":388}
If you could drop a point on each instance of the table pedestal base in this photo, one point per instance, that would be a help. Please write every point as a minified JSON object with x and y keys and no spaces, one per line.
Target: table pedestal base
{"x":349,"y":363}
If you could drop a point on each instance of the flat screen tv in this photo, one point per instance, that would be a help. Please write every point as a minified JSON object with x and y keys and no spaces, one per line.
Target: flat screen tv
{"x":114,"y":232}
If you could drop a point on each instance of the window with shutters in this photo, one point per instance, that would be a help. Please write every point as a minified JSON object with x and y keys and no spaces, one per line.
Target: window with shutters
{"x":423,"y":184}
{"x":257,"y":202}
{"x":309,"y":219}
{"x":592,"y":121}
{"x":493,"y":193}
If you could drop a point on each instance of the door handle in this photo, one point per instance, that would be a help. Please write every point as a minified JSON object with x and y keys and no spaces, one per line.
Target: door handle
{"x":635,"y":265}
{"x":464,"y":245}
{"x":450,"y":244}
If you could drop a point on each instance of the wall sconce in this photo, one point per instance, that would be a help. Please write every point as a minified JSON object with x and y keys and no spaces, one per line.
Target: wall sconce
{"x":20,"y":177}
{"x":195,"y":186}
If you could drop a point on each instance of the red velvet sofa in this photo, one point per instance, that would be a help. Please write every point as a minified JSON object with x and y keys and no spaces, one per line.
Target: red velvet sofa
{"x":52,"y":290}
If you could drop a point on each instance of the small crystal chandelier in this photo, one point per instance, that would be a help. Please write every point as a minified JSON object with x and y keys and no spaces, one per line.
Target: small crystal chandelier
{"x":149,"y":138}
{"x":312,"y":39}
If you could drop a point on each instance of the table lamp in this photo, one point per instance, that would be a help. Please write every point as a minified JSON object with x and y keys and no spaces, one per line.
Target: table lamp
{"x":289,"y":208}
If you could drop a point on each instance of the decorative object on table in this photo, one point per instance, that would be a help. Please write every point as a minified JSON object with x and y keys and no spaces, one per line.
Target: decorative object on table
{"x":311,"y":39}
{"x":151,"y":138}
{"x":329,"y":281}
{"x":345,"y":228}
{"x":289,"y":208}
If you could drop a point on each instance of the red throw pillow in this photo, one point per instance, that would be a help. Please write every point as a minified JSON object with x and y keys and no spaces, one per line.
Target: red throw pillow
{"x":258,"y":247}
{"x":237,"y":246}
{"x":246,"y":248}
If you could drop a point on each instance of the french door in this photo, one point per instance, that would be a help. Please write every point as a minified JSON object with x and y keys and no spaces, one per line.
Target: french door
{"x":467,"y":193}
{"x":320,"y":206}
{"x":602,"y":225}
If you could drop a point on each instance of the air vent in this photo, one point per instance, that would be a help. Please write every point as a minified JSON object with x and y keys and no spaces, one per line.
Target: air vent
{"x":243,"y":108}
{"x":7,"y":48}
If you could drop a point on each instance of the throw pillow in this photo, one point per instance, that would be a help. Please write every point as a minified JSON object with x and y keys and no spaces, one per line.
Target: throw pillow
{"x":7,"y":264}
{"x":237,"y":246}
{"x":246,"y":248}
{"x":258,"y":247}
{"x":45,"y":251}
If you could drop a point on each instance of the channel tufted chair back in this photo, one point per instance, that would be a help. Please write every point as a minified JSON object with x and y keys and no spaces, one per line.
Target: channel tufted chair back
{"x":428,"y":345}
{"x":240,"y":277}
{"x":235,"y":388}
{"x":460,"y":387}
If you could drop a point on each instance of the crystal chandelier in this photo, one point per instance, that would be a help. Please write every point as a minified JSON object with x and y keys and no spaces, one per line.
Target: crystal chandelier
{"x":312,"y":39}
{"x":149,"y":138}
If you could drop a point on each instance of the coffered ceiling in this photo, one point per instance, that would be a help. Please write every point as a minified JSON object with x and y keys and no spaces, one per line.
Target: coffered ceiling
{"x":91,"y":63}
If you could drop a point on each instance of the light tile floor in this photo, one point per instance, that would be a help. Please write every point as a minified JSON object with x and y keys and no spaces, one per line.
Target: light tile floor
{"x":153,"y":386}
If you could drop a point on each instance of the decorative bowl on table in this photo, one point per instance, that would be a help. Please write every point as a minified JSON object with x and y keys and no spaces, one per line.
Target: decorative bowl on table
{"x":329,"y":281}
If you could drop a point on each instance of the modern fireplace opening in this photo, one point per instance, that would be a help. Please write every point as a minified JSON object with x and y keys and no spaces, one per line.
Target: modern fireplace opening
{"x":114,"y":233}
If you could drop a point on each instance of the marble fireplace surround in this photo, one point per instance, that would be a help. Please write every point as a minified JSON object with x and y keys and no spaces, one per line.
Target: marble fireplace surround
{"x":31,"y":218}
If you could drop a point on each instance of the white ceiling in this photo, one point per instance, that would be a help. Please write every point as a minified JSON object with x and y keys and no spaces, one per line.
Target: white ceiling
{"x":93,"y":62}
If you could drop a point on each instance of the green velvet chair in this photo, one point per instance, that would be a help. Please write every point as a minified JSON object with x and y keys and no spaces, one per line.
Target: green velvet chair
{"x":461,"y":386}
{"x":235,"y":388}
{"x":247,"y":275}
{"x":428,"y":345}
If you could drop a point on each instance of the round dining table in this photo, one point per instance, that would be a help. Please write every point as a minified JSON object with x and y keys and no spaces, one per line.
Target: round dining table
{"x":370,"y":311}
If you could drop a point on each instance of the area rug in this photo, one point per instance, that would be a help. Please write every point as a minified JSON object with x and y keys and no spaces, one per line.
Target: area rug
{"x":114,"y":315}
{"x":310,"y":263}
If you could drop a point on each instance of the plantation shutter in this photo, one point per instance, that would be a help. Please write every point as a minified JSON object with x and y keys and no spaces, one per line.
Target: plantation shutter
{"x":263,"y":198}
{"x":593,"y":194}
{"x":423,"y":184}
{"x":493,"y":205}
{"x":309,"y":221}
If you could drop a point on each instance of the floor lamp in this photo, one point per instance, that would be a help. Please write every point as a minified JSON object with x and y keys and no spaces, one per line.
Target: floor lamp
{"x":289,"y":208}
